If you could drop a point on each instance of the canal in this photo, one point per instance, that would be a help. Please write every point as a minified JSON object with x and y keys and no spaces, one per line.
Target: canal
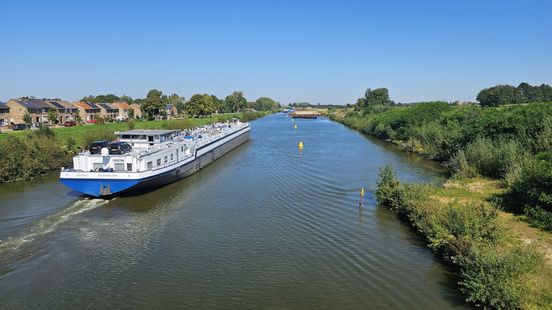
{"x":266,"y":226}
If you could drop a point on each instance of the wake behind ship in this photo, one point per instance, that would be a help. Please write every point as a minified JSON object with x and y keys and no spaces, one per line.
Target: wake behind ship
{"x":143,"y":159}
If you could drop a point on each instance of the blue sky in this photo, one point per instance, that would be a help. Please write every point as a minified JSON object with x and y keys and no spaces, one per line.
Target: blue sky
{"x":316,"y":51}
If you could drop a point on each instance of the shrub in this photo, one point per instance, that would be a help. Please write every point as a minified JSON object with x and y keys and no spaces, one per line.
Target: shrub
{"x":533,"y":186}
{"x":179,"y":124}
{"x":493,"y":158}
{"x":25,"y":159}
{"x":539,"y":218}
{"x":131,"y":124}
{"x":460,"y":166}
{"x":44,"y":131}
{"x":249,"y":116}
{"x":497,"y":278}
{"x":493,"y":272}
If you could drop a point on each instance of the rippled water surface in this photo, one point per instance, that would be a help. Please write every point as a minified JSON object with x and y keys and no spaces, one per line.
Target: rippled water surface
{"x":263,"y":227}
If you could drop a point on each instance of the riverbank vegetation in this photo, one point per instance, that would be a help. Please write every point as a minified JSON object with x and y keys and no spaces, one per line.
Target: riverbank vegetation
{"x":30,"y":153}
{"x":499,"y":156}
{"x":500,"y":261}
{"x":512,"y":143}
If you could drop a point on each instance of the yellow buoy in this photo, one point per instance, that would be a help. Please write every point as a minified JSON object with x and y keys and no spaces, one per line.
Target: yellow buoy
{"x":300,"y":145}
{"x":295,"y":126}
{"x":362,"y":192}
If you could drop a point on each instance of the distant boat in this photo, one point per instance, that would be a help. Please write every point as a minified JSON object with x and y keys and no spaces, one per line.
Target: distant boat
{"x":304,"y":114}
{"x":287,"y":111}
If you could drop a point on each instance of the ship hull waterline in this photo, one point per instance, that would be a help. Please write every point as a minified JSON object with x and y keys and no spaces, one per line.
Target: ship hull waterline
{"x":107,"y":188}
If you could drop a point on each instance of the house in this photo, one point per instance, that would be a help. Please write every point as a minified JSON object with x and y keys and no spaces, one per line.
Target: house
{"x":87,"y":110}
{"x":137,"y":110}
{"x":4,"y":115}
{"x":36,"y":108}
{"x":66,"y":110}
{"x":108,"y":111}
{"x":171,"y":111}
{"x":123,"y":109}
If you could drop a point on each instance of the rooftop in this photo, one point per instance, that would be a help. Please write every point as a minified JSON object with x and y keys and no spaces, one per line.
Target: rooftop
{"x":33,"y":103}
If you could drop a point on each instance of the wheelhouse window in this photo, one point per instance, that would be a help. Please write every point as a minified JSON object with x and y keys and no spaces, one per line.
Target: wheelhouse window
{"x":159,"y":162}
{"x":166,"y":159}
{"x":150,"y":165}
{"x":119,"y":166}
{"x":129,"y":167}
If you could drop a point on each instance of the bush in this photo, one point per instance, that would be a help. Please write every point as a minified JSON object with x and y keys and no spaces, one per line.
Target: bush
{"x":249,"y":116}
{"x":33,"y":156}
{"x":497,"y":278}
{"x":533,"y":186}
{"x":493,"y":158}
{"x":539,"y":218}
{"x":179,"y":124}
{"x":131,"y":124}
{"x":493,"y":272}
{"x":460,"y":166}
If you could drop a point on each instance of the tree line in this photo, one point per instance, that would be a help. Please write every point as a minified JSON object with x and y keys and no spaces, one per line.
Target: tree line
{"x":508,"y":94}
{"x":199,"y":105}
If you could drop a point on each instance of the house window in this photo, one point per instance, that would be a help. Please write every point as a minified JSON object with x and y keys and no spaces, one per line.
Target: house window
{"x":159,"y":162}
{"x":150,"y":165}
{"x":129,"y":167}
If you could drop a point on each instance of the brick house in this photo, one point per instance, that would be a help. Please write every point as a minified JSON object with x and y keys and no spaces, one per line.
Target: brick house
{"x":123,"y":108}
{"x":108,"y":111}
{"x":4,"y":115}
{"x":37,"y":108}
{"x":87,"y":110}
{"x":66,"y":110}
{"x":171,"y":110}
{"x":137,"y":110}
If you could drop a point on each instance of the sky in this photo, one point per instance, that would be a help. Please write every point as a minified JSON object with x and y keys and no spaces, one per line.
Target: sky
{"x":326,"y":52}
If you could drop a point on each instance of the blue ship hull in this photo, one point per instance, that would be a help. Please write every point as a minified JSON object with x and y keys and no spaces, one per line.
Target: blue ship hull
{"x":95,"y":188}
{"x":111,"y":187}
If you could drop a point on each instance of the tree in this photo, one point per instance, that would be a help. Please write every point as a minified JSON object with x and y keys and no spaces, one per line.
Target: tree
{"x":77,"y":116}
{"x":153,"y":104}
{"x":130,"y":113}
{"x":200,"y":105}
{"x":125,"y":98}
{"x":377,"y":96}
{"x":219,"y":104}
{"x":27,"y":118}
{"x":508,"y":94}
{"x":235,"y":102}
{"x":53,"y":116}
{"x":265,"y":104}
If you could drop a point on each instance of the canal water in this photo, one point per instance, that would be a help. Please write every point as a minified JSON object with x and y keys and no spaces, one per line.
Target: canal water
{"x":266,"y":226}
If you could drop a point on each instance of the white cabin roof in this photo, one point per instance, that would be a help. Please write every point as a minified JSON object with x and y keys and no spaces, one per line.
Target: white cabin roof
{"x":145,"y":132}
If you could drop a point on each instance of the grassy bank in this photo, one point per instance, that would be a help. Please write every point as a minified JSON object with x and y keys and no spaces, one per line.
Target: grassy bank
{"x":509,"y":143}
{"x":501,"y":262}
{"x":26,"y":154}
